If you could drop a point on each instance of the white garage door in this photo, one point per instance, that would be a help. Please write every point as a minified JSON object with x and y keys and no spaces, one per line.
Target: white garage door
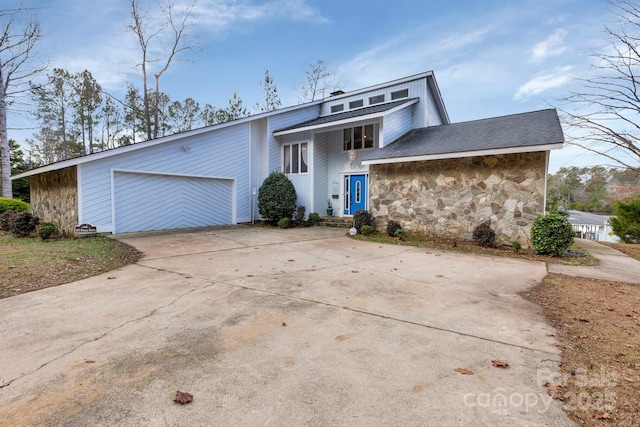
{"x":149,"y":201}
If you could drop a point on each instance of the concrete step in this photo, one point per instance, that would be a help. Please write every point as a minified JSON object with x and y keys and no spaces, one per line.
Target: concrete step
{"x":334,"y":221}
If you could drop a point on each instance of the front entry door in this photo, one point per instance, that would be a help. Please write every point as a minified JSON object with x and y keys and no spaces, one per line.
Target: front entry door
{"x":355,"y":193}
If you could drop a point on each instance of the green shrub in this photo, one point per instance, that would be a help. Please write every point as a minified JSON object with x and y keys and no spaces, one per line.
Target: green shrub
{"x":314,"y":218}
{"x":366,"y":230}
{"x":516,"y":245}
{"x":6,"y":220}
{"x":13,"y":205}
{"x":484,"y":235}
{"x":361,"y":218}
{"x":277,"y":197}
{"x":626,"y":222}
{"x":392,"y":227}
{"x":300,"y":213}
{"x":283,"y":222}
{"x":551,"y":234}
{"x":24,"y":224}
{"x":46,"y":230}
{"x":400,"y":234}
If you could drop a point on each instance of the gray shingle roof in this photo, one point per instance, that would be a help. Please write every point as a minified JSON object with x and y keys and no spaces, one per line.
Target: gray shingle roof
{"x":351,"y":114}
{"x":497,"y":133}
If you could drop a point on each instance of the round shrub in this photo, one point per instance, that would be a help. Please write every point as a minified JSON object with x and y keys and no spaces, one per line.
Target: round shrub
{"x":626,"y":222}
{"x":6,"y":220}
{"x":314,"y":218}
{"x":551,"y":234}
{"x":46,"y":230}
{"x":484,"y":235}
{"x":400,"y":234}
{"x":277,"y":197}
{"x":24,"y":224}
{"x":361,"y":218}
{"x":283,"y":222}
{"x":366,"y":230}
{"x":13,"y":205}
{"x":392,"y":227}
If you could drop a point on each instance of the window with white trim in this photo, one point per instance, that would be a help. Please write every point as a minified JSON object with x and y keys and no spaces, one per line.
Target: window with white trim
{"x":376,"y":99}
{"x":296,"y":158}
{"x":356,"y":104}
{"x":358,"y":138}
{"x":399,"y":94}
{"x":336,"y":108}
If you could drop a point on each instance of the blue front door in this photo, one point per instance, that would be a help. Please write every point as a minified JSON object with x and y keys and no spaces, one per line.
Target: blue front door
{"x":355,"y":193}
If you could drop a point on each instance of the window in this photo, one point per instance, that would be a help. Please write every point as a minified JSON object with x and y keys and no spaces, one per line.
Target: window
{"x":336,"y":108}
{"x":296,"y":158}
{"x":356,"y":104}
{"x":358,"y":138}
{"x":376,"y":99}
{"x":404,"y":93}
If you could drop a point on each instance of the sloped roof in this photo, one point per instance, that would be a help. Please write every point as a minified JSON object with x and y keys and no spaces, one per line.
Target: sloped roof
{"x":347,"y":115}
{"x":533,"y":131}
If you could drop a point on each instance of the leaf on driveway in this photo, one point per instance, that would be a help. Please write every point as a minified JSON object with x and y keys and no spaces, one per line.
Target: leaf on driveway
{"x":602,"y":416}
{"x":554,"y":390}
{"x":183,"y":397}
{"x":499,"y":363}
{"x":464,"y":371}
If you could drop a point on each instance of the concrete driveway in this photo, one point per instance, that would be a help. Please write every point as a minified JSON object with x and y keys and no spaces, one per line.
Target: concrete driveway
{"x":281,"y":327}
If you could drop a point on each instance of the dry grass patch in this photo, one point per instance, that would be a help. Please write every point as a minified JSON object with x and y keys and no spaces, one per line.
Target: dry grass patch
{"x":28,"y":264}
{"x":598,"y":324}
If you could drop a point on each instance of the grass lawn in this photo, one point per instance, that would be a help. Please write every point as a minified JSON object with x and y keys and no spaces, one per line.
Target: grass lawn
{"x":28,"y":264}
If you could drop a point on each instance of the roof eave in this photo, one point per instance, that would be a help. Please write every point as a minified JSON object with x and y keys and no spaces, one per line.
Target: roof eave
{"x":461,"y":154}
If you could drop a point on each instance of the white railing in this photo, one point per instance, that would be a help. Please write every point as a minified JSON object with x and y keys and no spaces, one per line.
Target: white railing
{"x":590,"y":232}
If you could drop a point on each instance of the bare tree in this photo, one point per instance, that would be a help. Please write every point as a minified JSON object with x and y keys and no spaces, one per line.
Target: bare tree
{"x":319,"y":81}
{"x":607,"y":121}
{"x":270,"y":93}
{"x":180,"y":42}
{"x":17,"y":45}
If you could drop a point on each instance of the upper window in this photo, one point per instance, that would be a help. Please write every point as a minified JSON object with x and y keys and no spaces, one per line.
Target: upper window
{"x":336,"y":108}
{"x":296,"y":158}
{"x":400,"y":94}
{"x":376,"y":99}
{"x":356,"y":104}
{"x":357,"y":138}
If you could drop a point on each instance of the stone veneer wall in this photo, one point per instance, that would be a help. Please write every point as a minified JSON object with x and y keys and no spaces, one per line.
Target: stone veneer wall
{"x":451,"y":197}
{"x":54,"y":198}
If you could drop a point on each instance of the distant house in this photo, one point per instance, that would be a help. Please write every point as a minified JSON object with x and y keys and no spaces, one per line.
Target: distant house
{"x":388,"y":148}
{"x":590,"y":226}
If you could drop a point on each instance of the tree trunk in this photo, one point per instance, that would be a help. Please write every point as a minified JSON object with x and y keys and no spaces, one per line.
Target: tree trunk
{"x":4,"y":143}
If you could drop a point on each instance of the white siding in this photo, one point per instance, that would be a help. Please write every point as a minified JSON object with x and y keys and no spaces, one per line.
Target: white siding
{"x":282,"y":121}
{"x":220,"y":153}
{"x":303,"y":182}
{"x":321,"y":185}
{"x":432,"y":115}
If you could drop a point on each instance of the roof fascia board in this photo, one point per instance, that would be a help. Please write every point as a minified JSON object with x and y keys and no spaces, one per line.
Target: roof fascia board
{"x":479,"y":153}
{"x":349,"y":120}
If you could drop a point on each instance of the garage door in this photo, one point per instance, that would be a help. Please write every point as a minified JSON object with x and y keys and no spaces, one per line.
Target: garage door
{"x":149,"y":201}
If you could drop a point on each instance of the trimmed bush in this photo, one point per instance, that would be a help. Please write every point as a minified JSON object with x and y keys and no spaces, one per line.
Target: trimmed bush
{"x":484,"y":235}
{"x":300,"y":213}
{"x":24,"y":224}
{"x":392,"y":227}
{"x":516,"y":245}
{"x":626,"y":222}
{"x":46,"y":230}
{"x":277,"y":198}
{"x":366,"y":230}
{"x":361,"y":218}
{"x":551,"y":234}
{"x":13,"y":205}
{"x":283,"y":222}
{"x":314,"y":218}
{"x":400,"y":234}
{"x":6,"y":220}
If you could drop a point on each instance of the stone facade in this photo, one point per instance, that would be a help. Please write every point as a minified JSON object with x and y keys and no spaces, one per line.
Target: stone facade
{"x":54,"y":198}
{"x":451,"y":197}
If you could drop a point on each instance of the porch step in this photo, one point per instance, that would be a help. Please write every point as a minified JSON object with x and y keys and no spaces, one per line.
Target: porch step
{"x":334,"y":221}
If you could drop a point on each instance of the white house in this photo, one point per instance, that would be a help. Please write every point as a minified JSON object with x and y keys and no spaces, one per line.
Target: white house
{"x":388,"y":148}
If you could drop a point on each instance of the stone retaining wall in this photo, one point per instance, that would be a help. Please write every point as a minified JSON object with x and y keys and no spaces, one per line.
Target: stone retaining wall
{"x":451,"y":197}
{"x":54,"y":198}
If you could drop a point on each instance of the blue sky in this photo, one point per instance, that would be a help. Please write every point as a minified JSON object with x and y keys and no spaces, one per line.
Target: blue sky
{"x":490,"y":57}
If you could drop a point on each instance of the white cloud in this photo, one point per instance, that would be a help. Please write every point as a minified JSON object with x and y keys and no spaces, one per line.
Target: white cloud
{"x":550,"y":47}
{"x":543,"y":83}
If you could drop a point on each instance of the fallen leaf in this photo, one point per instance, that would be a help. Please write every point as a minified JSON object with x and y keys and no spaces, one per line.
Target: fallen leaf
{"x":89,"y":361}
{"x":499,"y":363}
{"x":354,"y":271}
{"x":602,"y":416}
{"x":183,"y":397}
{"x":284,"y":324}
{"x":464,"y":371}
{"x":291,"y":260}
{"x":439,"y":275}
{"x":584,"y":320}
{"x":111,"y":277}
{"x":554,"y":390}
